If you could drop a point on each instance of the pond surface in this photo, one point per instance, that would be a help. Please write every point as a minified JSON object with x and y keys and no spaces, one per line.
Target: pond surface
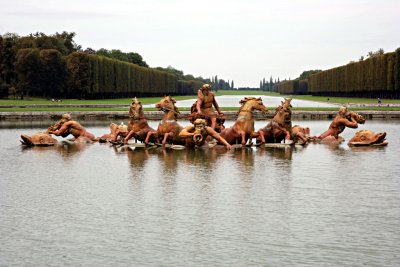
{"x":94,"y":205}
{"x":269,"y":101}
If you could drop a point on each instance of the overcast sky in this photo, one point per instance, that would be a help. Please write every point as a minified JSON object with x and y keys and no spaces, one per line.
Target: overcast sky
{"x":243,"y":41}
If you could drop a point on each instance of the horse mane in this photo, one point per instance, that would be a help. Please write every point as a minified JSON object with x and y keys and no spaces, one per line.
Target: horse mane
{"x":244,"y":101}
{"x":176,"y":110}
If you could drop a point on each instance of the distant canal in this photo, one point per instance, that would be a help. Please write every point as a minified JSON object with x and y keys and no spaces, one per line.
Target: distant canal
{"x":96,"y":205}
{"x":269,"y":101}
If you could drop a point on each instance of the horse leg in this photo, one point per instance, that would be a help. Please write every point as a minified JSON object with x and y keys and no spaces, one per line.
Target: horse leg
{"x":164,"y":141}
{"x":244,"y":140}
{"x":128,"y":136}
{"x":148,"y":136}
{"x":262,"y":136}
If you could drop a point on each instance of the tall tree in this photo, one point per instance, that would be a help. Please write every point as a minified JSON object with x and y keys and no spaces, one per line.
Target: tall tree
{"x":54,"y":73}
{"x":8,"y":77}
{"x":28,"y":67}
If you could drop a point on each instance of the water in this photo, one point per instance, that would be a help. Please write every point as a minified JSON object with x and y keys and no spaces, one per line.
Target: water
{"x":269,"y":101}
{"x":94,"y":205}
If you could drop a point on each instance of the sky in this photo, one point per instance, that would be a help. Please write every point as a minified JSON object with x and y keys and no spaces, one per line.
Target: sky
{"x":244,"y":41}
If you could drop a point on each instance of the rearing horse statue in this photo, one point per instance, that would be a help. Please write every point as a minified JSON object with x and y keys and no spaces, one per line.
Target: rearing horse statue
{"x":138,"y":126}
{"x":168,"y":129}
{"x":243,"y":129}
{"x":280,"y":128}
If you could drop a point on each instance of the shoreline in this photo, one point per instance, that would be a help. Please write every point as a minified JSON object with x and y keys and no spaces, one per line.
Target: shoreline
{"x":157,"y":115}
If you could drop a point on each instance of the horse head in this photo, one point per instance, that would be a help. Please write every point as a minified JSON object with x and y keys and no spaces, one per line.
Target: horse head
{"x":283,"y":113}
{"x":167,"y":104}
{"x":252,"y":103}
{"x":136,"y":109}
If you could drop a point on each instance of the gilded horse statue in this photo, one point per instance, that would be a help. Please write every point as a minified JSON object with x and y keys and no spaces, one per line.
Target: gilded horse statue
{"x":243,"y":128}
{"x":138,"y":126}
{"x":168,"y":130}
{"x":280,"y":127}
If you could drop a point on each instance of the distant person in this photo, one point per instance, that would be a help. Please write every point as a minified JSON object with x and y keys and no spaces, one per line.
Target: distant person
{"x":379,"y":101}
{"x":205,"y":102}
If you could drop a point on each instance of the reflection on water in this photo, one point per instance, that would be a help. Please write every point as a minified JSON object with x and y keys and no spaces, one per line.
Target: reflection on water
{"x":96,"y":204}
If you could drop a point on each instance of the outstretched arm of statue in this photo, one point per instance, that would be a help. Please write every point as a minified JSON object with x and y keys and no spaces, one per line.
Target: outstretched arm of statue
{"x":217,"y":106}
{"x":219,"y":138}
{"x":186,"y":132}
{"x":54,"y":127}
{"x":351,"y":124}
{"x":64,"y":129}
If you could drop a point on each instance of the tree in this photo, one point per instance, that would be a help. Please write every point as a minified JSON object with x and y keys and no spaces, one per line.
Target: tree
{"x":28,"y":68}
{"x":8,"y":77}
{"x":307,"y":73}
{"x":53,"y":74}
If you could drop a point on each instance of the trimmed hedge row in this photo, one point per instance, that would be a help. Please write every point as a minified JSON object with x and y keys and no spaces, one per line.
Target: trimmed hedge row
{"x":378,"y":76}
{"x":295,"y":87}
{"x":93,"y":76}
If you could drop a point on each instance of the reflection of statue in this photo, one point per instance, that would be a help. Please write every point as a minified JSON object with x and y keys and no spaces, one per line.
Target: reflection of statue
{"x":68,"y":126}
{"x":195,"y":134}
{"x":343,"y":119}
{"x":368,"y":138}
{"x":204,"y":105}
{"x":169,"y":128}
{"x":280,"y":128}
{"x":243,"y":128}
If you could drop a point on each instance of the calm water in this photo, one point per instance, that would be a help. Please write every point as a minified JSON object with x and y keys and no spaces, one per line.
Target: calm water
{"x":269,"y":101}
{"x":93,"y":205}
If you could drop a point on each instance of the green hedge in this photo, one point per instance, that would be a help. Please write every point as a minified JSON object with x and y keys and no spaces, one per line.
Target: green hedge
{"x":93,"y":76}
{"x":377,"y":76}
{"x":293,"y":87}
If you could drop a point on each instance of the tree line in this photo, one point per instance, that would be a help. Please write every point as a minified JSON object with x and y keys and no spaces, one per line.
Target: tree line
{"x":54,"y":66}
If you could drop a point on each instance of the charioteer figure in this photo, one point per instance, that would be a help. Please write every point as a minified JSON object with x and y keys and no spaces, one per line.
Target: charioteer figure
{"x":205,"y":102}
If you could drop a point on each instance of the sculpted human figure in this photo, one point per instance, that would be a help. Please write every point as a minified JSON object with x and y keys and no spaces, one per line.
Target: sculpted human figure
{"x":67,"y":126}
{"x":343,"y":119}
{"x":196,"y":134}
{"x":301,"y":134}
{"x":205,"y":102}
